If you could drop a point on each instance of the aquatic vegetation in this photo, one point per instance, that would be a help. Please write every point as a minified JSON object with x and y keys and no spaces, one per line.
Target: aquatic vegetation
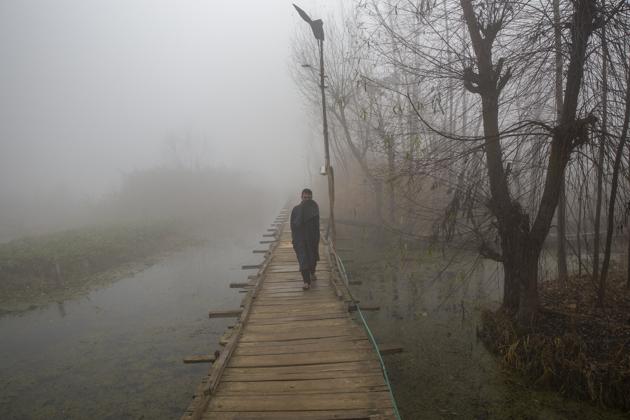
{"x":581,"y":353}
{"x":41,"y":269}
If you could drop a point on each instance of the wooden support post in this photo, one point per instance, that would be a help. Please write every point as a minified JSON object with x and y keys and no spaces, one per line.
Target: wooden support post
{"x":386,"y":349}
{"x":203,"y":358}
{"x":353,"y":307}
{"x":230,"y":313}
{"x":240,"y":285}
{"x":252,"y":277}
{"x":225,"y":338}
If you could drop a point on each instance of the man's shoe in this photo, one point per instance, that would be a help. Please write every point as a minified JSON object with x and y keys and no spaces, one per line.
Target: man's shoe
{"x":306,"y":286}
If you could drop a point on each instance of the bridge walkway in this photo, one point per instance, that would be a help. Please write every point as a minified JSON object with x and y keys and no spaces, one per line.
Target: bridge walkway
{"x":294,"y":354}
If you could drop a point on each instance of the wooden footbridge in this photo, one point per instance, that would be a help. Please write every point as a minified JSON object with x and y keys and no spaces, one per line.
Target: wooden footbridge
{"x":294,"y":354}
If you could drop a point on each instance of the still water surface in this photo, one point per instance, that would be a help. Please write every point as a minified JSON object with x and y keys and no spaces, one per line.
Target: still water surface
{"x":117,"y":352}
{"x":431,"y":302}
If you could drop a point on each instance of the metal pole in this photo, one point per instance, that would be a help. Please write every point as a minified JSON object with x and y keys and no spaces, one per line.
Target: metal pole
{"x":329,"y":169}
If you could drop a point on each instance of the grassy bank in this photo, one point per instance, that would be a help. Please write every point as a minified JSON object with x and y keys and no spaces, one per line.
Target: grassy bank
{"x":48,"y":268}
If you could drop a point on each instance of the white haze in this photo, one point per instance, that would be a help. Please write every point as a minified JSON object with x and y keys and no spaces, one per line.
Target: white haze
{"x":90,"y":90}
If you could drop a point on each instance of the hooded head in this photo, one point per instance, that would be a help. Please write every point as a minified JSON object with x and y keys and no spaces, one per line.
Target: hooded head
{"x":310,"y":209}
{"x":307,"y":194}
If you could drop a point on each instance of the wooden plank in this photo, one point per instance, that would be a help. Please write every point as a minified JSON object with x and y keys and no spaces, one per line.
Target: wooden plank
{"x":272,"y":316}
{"x":288,"y":310}
{"x":241,"y":285}
{"x":363,"y":414}
{"x":297,"y":305}
{"x":251,"y":267}
{"x":296,"y":288}
{"x":229,"y":313}
{"x":281,"y":320}
{"x":292,"y":286}
{"x":330,"y":401}
{"x":297,"y":297}
{"x":273,"y":311}
{"x":296,"y":326}
{"x":386,"y":349}
{"x":357,"y":383}
{"x":297,"y":335}
{"x":309,"y":341}
{"x":298,"y":376}
{"x":353,"y":307}
{"x":358,"y":366}
{"x":203,"y":358}
{"x":314,"y":358}
{"x":291,"y":348}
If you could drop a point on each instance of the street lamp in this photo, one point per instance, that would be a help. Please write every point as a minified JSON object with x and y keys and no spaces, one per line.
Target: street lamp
{"x":317,"y":27}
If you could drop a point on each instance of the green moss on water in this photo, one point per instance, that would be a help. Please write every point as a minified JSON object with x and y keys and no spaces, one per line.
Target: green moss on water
{"x":38,"y":270}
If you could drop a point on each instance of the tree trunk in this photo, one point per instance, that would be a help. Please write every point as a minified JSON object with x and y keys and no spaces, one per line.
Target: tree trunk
{"x":562,"y":235}
{"x":600,"y":161}
{"x":391,"y":191}
{"x":378,"y":198}
{"x":511,"y":289}
{"x":562,"y":205}
{"x":578,"y":233}
{"x":521,"y":245}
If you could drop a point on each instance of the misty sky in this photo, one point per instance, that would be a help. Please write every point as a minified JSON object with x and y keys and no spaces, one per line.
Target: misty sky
{"x":91,"y":89}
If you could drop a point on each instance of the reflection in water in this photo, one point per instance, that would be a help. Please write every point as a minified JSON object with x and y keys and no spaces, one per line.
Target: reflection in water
{"x":61,"y":309}
{"x":117,"y":352}
{"x":430,"y":304}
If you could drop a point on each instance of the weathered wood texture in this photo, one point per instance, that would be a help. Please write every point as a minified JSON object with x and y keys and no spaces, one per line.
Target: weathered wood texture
{"x":294,"y":354}
{"x":202,"y":358}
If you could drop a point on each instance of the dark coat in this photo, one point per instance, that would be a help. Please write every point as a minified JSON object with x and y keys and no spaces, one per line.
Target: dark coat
{"x":305,"y":233}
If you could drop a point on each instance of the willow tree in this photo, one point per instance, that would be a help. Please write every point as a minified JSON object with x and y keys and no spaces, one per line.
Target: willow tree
{"x":507,"y":64}
{"x":521,"y":238}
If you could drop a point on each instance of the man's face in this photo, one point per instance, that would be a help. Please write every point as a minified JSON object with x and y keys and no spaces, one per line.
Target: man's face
{"x":307,"y":196}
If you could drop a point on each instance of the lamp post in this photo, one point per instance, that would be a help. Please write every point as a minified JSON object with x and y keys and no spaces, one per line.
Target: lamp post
{"x":318,"y":31}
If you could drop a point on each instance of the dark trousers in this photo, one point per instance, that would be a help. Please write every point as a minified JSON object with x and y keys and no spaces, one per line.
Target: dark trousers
{"x":306,"y":274}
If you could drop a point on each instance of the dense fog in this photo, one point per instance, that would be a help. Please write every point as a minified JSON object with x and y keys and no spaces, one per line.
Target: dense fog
{"x":93,"y":91}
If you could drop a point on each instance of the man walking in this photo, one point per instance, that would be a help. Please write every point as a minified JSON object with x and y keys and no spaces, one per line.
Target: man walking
{"x":305,"y":236}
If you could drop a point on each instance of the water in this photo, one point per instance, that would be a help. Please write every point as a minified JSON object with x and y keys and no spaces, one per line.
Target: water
{"x":434,"y":312}
{"x":117,"y":352}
